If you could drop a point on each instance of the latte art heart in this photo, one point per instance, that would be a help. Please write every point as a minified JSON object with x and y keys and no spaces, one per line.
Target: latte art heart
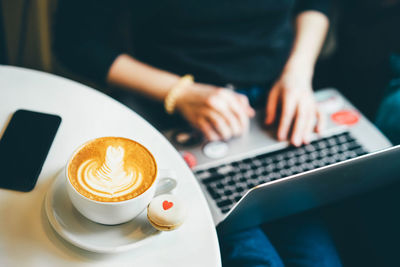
{"x":110,"y":178}
{"x":112,"y":169}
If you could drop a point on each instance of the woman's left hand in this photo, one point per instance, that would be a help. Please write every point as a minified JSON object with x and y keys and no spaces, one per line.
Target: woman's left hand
{"x":293,"y":94}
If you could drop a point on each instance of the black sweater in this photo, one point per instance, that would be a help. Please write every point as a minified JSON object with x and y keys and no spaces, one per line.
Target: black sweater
{"x":242,"y":42}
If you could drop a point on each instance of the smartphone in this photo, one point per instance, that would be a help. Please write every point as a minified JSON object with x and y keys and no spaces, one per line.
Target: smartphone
{"x":24,"y":147}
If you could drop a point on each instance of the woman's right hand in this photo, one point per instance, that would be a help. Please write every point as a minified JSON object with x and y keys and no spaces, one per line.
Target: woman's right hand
{"x":218,"y":113}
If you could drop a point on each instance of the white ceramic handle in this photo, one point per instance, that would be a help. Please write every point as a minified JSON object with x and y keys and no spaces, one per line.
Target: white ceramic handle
{"x":166,"y":183}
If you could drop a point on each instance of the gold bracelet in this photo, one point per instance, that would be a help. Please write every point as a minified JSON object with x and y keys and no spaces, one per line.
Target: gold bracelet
{"x":170,"y":99}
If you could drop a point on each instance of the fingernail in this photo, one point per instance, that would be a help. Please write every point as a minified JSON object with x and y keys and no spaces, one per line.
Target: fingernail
{"x":297,"y":141}
{"x":215,"y":137}
{"x":281,"y":137}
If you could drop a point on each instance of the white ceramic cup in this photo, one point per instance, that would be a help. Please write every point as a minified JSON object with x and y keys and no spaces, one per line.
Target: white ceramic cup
{"x":112,"y":213}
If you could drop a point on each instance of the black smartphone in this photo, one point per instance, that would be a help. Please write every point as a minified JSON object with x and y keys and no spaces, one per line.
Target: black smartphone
{"x":24,"y":147}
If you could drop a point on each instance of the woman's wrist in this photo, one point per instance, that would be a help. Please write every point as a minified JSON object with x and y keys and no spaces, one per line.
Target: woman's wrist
{"x":171,"y":98}
{"x":299,"y":65}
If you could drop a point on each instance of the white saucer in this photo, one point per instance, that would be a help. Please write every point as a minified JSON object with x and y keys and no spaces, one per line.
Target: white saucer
{"x":88,"y":235}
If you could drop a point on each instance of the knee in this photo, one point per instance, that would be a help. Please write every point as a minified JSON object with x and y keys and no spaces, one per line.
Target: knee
{"x":248,"y":248}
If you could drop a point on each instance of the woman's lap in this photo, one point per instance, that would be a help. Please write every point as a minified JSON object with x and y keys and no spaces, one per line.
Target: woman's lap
{"x":250,"y":247}
{"x":296,"y":241}
{"x":388,"y":118}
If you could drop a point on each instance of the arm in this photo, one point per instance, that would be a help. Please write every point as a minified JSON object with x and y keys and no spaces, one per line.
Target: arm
{"x":217,"y":112}
{"x":294,"y":87}
{"x":311,"y":30}
{"x":134,"y":75}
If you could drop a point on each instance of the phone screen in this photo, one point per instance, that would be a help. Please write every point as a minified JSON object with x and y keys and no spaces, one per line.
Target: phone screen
{"x":24,"y":147}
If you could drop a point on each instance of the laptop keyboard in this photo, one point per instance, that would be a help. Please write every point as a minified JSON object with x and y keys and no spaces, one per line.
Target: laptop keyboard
{"x":227,"y":183}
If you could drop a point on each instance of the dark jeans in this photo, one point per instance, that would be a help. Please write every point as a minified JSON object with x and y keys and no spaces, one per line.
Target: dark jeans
{"x":296,"y":241}
{"x":300,"y":240}
{"x":388,"y":116}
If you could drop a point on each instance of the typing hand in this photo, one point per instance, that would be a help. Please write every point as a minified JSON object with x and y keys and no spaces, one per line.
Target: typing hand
{"x":217,"y":112}
{"x":294,"y":95}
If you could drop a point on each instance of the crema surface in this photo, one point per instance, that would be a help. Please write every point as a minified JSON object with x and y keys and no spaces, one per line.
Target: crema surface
{"x":112,"y":169}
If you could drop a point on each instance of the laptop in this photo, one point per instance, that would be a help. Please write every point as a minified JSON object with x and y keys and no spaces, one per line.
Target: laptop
{"x":255,"y":178}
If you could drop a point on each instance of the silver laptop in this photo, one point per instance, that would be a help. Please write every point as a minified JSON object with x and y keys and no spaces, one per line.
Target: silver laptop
{"x":255,"y":178}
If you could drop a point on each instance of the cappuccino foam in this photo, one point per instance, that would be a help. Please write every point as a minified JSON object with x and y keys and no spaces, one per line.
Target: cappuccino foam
{"x":112,"y":169}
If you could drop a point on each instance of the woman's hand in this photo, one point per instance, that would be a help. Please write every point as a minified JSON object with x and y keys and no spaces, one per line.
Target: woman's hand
{"x":293,"y":91}
{"x":217,"y":112}
{"x":294,"y":95}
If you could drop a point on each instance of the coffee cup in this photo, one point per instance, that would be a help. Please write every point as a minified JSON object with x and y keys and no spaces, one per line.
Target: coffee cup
{"x":111,"y":180}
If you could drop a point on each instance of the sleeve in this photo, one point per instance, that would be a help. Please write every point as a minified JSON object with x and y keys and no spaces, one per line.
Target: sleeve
{"x":83,"y":36}
{"x":322,"y":6}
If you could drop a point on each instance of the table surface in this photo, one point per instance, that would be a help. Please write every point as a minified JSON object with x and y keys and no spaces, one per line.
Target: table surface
{"x":26,"y":237}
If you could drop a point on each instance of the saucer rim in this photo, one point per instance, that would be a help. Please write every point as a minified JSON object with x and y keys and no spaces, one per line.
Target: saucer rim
{"x":57,"y":226}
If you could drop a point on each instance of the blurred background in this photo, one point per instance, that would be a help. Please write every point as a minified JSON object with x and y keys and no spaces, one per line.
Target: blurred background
{"x":355,"y":59}
{"x":27,"y":32}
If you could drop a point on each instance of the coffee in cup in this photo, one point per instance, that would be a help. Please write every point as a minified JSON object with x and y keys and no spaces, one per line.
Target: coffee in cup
{"x":112,"y":169}
{"x":111,"y":180}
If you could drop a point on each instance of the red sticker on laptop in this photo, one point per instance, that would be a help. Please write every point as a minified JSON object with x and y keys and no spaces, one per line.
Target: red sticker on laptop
{"x":346,"y":117}
{"x":189,"y":158}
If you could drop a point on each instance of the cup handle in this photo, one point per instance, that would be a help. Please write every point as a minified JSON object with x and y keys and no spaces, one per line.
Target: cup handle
{"x":166,"y":183}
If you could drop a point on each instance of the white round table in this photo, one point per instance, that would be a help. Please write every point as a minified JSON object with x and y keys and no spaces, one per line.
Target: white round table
{"x":26,"y":237}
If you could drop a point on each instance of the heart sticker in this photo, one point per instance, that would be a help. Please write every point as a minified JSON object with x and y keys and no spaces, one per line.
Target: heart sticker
{"x":167,"y":205}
